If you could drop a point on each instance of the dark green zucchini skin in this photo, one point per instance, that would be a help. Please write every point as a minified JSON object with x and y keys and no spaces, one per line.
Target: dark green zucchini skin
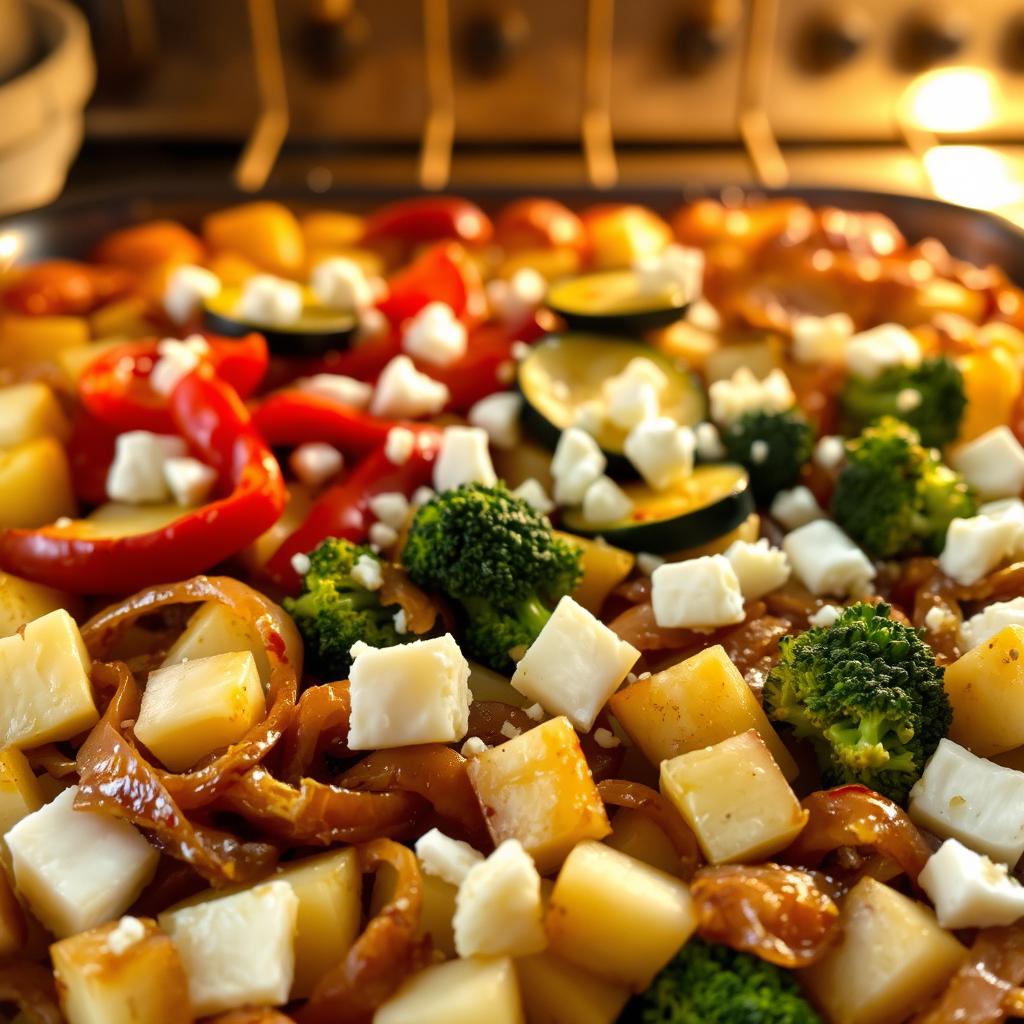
{"x":622,"y":323}
{"x":285,"y":343}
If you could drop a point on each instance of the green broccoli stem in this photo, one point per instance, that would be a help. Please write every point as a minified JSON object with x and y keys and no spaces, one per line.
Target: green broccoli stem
{"x":533,"y":614}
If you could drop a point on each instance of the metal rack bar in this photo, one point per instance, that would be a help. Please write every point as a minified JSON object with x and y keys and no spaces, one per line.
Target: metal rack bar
{"x":753,"y":123}
{"x":596,"y":125}
{"x":439,"y":126}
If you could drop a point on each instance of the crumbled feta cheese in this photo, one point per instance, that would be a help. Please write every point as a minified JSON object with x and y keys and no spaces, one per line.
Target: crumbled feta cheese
{"x":336,"y":387}
{"x":993,"y":464}
{"x":372,"y":324}
{"x":300,"y":563}
{"x":826,"y":561}
{"x":398,"y":445}
{"x":976,"y":546}
{"x":590,"y":416}
{"x":520,"y":350}
{"x":743,"y":392}
{"x":821,"y":339}
{"x":367,"y":572}
{"x":699,"y":593}
{"x":829,"y":452}
{"x":409,"y":694}
{"x":576,"y":464}
{"x":937,"y":618}
{"x":403,"y":391}
{"x":315,"y":463}
{"x":607,"y":739}
{"x":969,"y":890}
{"x":391,"y":507}
{"x":270,"y":301}
{"x":509,"y":731}
{"x":506,"y":371}
{"x":535,"y":713}
{"x":498,"y":908}
{"x":989,"y":621}
{"x":130,"y":931}
{"x":401,"y":622}
{"x":448,"y":859}
{"x":703,"y":316}
{"x":1010,"y":510}
{"x":189,"y":480}
{"x":177,"y":360}
{"x":825,"y":616}
{"x":422,"y":495}
{"x":632,"y":396}
{"x":759,"y":567}
{"x":188,"y":287}
{"x":435,"y":335}
{"x":464,"y":458}
{"x":677,"y":268}
{"x":759,"y":451}
{"x":473,"y":746}
{"x":907,"y":400}
{"x":498,"y":414}
{"x":532,"y":492}
{"x":515,"y":299}
{"x":871,"y":352}
{"x":662,"y":451}
{"x":709,"y":442}
{"x":137,"y":475}
{"x":341,"y":283}
{"x":606,"y":502}
{"x":795,"y":507}
{"x":647,"y":563}
{"x":383,"y":535}
{"x":574,"y":665}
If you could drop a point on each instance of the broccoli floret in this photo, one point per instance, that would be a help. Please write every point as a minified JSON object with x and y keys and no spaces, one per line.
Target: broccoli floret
{"x":713,"y":984}
{"x":867,"y":693}
{"x":499,"y":558}
{"x":929,"y":397}
{"x":772,"y":446}
{"x":894,"y":496}
{"x":335,"y":609}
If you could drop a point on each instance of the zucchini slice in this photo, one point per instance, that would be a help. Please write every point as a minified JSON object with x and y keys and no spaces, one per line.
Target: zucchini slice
{"x":564,"y":371}
{"x":712,"y":502}
{"x":317,"y":331}
{"x":612,"y":302}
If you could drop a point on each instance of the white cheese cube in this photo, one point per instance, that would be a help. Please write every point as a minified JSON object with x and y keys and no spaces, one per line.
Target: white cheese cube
{"x":574,"y":665}
{"x":966,"y":797}
{"x":606,"y":502}
{"x":677,"y":268}
{"x":413,"y":693}
{"x":341,"y":283}
{"x":969,"y":890}
{"x":399,"y":445}
{"x":449,"y":859}
{"x":825,"y":616}
{"x":829,"y":451}
{"x":743,"y":392}
{"x":699,"y":593}
{"x":870,"y":352}
{"x":189,"y":480}
{"x":136,"y":475}
{"x":703,"y":316}
{"x":795,"y":507}
{"x":647,"y":563}
{"x":367,"y":572}
{"x":390,"y":507}
{"x":337,"y":388}
{"x":826,"y":561}
{"x":498,"y":909}
{"x":78,"y":869}
{"x":403,"y":391}
{"x":177,"y":360}
{"x":435,"y":335}
{"x":759,"y":567}
{"x":237,"y":950}
{"x":632,"y":395}
{"x":976,"y":546}
{"x":314,"y":463}
{"x":662,"y":451}
{"x":270,"y":301}
{"x":463,"y":458}
{"x":989,"y":621}
{"x":515,"y":299}
{"x":1010,"y":510}
{"x":576,"y":464}
{"x":821,"y":339}
{"x":498,"y":414}
{"x":188,"y":287}
{"x":532,"y":492}
{"x":382,"y":536}
{"x":709,"y":442}
{"x":938,"y":618}
{"x":992,"y":464}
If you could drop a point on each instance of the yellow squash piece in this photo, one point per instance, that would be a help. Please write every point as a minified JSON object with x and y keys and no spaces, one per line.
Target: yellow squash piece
{"x":29,"y":340}
{"x":992,"y":383}
{"x":35,"y":484}
{"x":603,"y":568}
{"x":29,"y":411}
{"x":266,"y":233}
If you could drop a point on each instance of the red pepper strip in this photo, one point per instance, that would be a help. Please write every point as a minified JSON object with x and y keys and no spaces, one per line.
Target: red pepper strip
{"x":443,"y":273}
{"x":217,"y":426}
{"x":364,"y":360}
{"x":66,"y":288}
{"x":344,"y":509}
{"x":115,"y":387}
{"x":429,"y":219}
{"x":90,"y":451}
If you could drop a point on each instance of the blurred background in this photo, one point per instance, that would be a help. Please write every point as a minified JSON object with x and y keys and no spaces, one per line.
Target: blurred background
{"x":899,"y":95}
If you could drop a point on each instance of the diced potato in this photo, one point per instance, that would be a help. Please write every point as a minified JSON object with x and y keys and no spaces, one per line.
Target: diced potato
{"x":555,"y":991}
{"x":28,"y":411}
{"x":35,"y":484}
{"x":456,"y":992}
{"x":21,"y":601}
{"x":265,"y":232}
{"x":78,"y":869}
{"x":602,"y":896}
{"x":603,"y":568}
{"x":40,"y":339}
{"x":262,"y":549}
{"x":331,"y":229}
{"x":892,"y":957}
{"x":125,"y":317}
{"x":75,"y":361}
{"x":622,"y":234}
{"x":693,"y":704}
{"x":13,"y":926}
{"x":760,"y":357}
{"x":549,"y":263}
{"x":635,"y":834}
{"x":20,"y":793}
{"x":986,"y":689}
{"x":437,"y":912}
{"x":537,"y":788}
{"x":125,"y":972}
{"x":992,"y":382}
{"x":735,"y":799}
{"x":193,"y":708}
{"x":46,"y":694}
{"x":526,"y":461}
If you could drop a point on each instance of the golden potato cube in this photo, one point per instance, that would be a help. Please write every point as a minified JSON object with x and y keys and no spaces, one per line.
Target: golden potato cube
{"x":13,"y":925}
{"x":20,"y":792}
{"x":438,"y":906}
{"x":602,"y":896}
{"x":215,"y":629}
{"x":735,"y":799}
{"x":457,"y":992}
{"x":693,"y":704}
{"x":537,"y":788}
{"x":75,"y":361}
{"x":21,"y":601}
{"x":125,"y":972}
{"x":635,"y":834}
{"x":329,"y":890}
{"x":193,"y":708}
{"x":603,"y":568}
{"x":40,"y":339}
{"x":123,"y":317}
{"x":555,"y":991}
{"x":46,"y":694}
{"x":891,"y":958}
{"x":35,"y":484}
{"x":262,"y":549}
{"x":28,"y":411}
{"x":986,"y":689}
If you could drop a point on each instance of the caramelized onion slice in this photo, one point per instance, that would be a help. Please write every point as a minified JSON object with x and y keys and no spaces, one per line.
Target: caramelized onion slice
{"x":420,"y":612}
{"x":318,"y":727}
{"x":30,"y":987}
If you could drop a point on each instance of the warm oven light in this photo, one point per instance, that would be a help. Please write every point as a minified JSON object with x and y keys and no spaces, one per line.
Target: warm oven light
{"x":10,"y":248}
{"x":959,"y":99}
{"x":974,"y":176}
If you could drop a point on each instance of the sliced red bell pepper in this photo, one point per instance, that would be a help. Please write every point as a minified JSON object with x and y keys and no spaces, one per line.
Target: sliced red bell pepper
{"x":536,"y":223}
{"x":66,"y":288}
{"x":427,"y":219}
{"x":209,"y":414}
{"x":90,"y":451}
{"x":344,"y":509}
{"x":443,"y":273}
{"x":115,"y":387}
{"x":364,"y":361}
